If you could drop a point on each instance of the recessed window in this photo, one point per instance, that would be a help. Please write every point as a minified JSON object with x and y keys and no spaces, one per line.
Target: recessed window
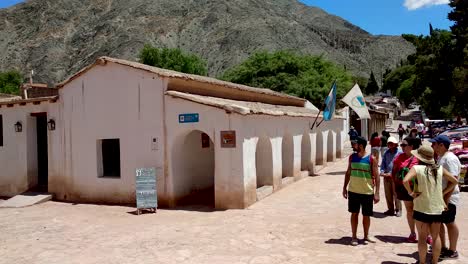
{"x":109,"y":158}
{"x":1,"y":131}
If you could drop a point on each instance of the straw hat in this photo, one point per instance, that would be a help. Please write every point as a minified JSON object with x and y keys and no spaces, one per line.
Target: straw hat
{"x":425,"y":154}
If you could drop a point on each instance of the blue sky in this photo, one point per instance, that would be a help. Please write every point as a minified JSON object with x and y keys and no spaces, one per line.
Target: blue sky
{"x":389,"y":17}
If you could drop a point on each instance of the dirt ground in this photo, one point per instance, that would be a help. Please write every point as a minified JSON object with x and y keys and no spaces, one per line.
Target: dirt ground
{"x":307,"y":222}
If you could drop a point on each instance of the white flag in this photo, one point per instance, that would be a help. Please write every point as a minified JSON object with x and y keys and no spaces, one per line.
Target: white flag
{"x":356,"y":101}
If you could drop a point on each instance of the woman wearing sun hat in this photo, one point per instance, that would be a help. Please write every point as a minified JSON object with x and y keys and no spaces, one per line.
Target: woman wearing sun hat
{"x":428,"y":198}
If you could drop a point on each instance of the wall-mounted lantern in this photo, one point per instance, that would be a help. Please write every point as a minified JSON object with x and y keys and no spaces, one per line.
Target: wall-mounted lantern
{"x":18,"y":126}
{"x":51,"y":124}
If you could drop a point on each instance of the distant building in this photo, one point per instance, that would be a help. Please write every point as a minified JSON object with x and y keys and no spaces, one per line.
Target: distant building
{"x":224,"y":144}
{"x":36,"y":90}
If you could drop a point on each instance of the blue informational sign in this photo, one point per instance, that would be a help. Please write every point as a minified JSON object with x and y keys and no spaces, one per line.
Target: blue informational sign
{"x":189,"y":118}
{"x":146,"y":195}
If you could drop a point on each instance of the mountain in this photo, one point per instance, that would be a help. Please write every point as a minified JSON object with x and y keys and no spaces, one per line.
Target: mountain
{"x":56,"y":38}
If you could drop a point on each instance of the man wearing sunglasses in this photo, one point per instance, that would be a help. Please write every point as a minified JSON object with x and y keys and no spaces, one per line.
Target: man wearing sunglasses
{"x":451,"y":163}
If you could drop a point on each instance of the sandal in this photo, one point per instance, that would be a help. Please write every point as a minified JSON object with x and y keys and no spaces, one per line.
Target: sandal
{"x":354,"y":242}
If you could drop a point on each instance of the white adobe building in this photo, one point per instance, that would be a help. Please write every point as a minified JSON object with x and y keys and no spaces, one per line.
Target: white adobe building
{"x":221,"y":143}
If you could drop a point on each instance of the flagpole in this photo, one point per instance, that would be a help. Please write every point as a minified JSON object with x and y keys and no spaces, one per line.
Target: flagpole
{"x":324,"y":107}
{"x":320,"y":122}
{"x":312,"y":127}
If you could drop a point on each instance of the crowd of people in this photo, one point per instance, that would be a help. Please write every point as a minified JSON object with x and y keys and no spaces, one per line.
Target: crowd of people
{"x":423,"y":178}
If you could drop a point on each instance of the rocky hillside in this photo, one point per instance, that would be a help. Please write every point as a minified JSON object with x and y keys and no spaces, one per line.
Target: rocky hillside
{"x":56,"y":38}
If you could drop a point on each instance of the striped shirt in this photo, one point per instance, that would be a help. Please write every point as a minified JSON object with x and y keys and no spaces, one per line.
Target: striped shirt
{"x":361,"y":180}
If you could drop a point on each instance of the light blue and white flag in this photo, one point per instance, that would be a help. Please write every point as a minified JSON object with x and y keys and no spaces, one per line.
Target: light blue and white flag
{"x":330,"y":103}
{"x":356,"y":101}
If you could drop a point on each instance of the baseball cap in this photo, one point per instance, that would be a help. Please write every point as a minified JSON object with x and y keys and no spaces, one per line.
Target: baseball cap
{"x":392,"y":140}
{"x":441,"y":139}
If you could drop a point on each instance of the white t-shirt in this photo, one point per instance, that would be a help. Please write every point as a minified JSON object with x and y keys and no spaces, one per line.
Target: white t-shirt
{"x":452,"y":164}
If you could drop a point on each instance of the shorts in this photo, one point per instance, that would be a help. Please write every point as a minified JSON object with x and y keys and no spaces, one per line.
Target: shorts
{"x":448,"y":216}
{"x":427,"y":218}
{"x":402,"y":193}
{"x":357,"y":200}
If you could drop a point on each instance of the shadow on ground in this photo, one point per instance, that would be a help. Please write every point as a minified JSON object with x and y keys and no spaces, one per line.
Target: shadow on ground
{"x":414,"y":255}
{"x":392,"y":239}
{"x":379,"y":215}
{"x":346,"y":240}
{"x":336,"y":173}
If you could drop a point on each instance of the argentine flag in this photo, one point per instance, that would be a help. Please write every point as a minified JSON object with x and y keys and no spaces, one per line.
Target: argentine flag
{"x":330,"y":103}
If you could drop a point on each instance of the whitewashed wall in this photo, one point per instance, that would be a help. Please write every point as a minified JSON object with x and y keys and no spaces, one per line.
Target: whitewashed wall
{"x":110,"y":101}
{"x":18,"y":156}
{"x":229,"y":171}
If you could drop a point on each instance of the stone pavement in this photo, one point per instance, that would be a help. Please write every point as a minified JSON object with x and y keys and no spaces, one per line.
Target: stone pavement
{"x":307,"y":222}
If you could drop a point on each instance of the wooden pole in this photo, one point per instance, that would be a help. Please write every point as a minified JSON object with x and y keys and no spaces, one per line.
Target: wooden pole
{"x":312,"y":127}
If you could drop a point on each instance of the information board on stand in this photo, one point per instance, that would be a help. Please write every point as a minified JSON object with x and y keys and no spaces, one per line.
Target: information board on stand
{"x":146,"y":195}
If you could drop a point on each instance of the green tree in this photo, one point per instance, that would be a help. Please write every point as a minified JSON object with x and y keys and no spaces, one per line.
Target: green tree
{"x":10,"y":82}
{"x":428,"y":71}
{"x":459,"y":29}
{"x":306,"y":76}
{"x":372,"y":86}
{"x":172,"y":59}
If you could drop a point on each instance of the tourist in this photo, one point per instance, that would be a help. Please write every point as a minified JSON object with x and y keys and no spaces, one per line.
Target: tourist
{"x":363,"y":190}
{"x":428,"y":194}
{"x":452,"y":164}
{"x":383,"y":142}
{"x":393,"y":204}
{"x":375,"y":145}
{"x":353,"y":134}
{"x":401,"y":132}
{"x":401,"y":165}
{"x":420,"y":128}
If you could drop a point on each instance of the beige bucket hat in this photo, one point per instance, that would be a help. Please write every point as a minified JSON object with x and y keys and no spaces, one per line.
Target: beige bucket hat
{"x":425,"y":154}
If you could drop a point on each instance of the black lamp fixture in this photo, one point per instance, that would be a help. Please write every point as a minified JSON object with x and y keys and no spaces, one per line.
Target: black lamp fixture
{"x":51,"y":124}
{"x":18,"y":126}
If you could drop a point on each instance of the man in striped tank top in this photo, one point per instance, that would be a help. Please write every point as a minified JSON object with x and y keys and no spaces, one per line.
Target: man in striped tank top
{"x":361,"y":188}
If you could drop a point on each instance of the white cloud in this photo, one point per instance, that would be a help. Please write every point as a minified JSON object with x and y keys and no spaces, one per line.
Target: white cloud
{"x":415,"y":4}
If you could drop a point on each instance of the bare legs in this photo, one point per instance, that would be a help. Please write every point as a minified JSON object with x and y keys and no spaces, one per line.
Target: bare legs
{"x":409,"y":216}
{"x":453,"y":233}
{"x":424,"y":230}
{"x":354,"y":224}
{"x":366,"y":225}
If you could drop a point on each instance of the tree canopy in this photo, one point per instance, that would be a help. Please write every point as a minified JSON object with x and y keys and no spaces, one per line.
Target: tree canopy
{"x":173,"y":59}
{"x":437,"y":74}
{"x":372,"y":87}
{"x":10,"y":82}
{"x":306,"y":76}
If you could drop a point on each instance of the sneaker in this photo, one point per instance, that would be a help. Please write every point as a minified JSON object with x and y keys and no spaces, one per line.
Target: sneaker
{"x":369,"y":240}
{"x":450,"y":255}
{"x":412,"y":238}
{"x":398,"y":213}
{"x":389,"y":213}
{"x":354,"y":242}
{"x":443,"y":252}
{"x":429,"y":240}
